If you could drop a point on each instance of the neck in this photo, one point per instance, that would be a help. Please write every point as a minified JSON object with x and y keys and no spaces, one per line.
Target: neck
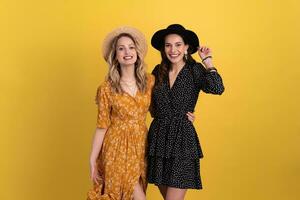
{"x":127,"y":72}
{"x":177,"y":66}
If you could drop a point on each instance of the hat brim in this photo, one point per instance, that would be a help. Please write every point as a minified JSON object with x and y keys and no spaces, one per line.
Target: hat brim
{"x":158,"y":39}
{"x":135,"y":33}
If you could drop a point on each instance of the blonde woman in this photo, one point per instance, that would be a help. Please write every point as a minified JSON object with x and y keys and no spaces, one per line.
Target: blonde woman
{"x":117,"y":160}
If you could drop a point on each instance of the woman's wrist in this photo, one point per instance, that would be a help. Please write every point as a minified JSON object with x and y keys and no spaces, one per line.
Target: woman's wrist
{"x":207,"y":62}
{"x":92,"y":161}
{"x":211,"y":69}
{"x":206,"y":58}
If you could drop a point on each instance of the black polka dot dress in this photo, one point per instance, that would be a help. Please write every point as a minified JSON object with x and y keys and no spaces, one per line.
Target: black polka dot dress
{"x":174,"y":150}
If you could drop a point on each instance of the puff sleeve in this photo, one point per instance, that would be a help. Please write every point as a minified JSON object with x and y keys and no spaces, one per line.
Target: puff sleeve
{"x":103,"y":100}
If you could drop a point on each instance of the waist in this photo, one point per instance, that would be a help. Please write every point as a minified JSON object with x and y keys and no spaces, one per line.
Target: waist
{"x":175,"y":114}
{"x":128,"y":121}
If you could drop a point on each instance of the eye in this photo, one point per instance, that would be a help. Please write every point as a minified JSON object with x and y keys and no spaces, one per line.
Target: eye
{"x":167,"y":45}
{"x":178,"y":44}
{"x":120,"y":48}
{"x":132,"y":47}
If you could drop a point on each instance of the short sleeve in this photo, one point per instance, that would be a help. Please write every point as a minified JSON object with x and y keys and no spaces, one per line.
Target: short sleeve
{"x":103,"y":100}
{"x":151,"y":81}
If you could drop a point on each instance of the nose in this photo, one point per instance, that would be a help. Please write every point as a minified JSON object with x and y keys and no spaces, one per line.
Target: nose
{"x":126,"y":51}
{"x":173,"y":49}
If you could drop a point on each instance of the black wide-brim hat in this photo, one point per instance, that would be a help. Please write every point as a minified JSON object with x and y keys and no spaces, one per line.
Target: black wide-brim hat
{"x":189,"y":37}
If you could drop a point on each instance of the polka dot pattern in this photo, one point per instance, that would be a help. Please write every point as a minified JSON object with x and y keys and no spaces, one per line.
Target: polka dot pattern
{"x":173,"y":145}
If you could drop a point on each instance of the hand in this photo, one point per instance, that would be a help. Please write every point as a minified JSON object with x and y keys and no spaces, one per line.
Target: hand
{"x":204,"y":52}
{"x":94,"y":173}
{"x":191,"y":117}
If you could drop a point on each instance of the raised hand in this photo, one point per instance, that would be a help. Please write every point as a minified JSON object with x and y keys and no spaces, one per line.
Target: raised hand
{"x":204,"y":51}
{"x":206,"y":56}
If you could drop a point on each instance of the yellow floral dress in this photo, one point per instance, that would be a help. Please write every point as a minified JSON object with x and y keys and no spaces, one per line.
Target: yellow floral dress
{"x":121,"y":162}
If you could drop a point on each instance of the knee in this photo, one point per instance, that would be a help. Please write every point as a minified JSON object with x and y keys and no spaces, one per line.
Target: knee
{"x":139,"y":198}
{"x":174,"y":198}
{"x":175,"y":195}
{"x":138,"y":193}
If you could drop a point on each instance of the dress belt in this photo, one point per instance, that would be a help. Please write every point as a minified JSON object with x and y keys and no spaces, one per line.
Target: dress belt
{"x":176,"y":114}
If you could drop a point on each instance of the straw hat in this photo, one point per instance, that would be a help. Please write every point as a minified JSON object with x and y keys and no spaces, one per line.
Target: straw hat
{"x":135,"y":33}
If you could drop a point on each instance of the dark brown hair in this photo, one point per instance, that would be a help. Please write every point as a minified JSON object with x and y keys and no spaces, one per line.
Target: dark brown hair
{"x":165,"y":65}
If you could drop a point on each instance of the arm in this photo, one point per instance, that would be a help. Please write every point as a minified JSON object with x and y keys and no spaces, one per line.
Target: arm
{"x":103,"y":122}
{"x":211,"y":79}
{"x":154,"y":80}
{"x":96,"y":147}
{"x":97,"y":144}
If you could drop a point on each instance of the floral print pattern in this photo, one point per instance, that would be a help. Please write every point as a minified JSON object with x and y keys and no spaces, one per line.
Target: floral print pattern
{"x":121,"y":162}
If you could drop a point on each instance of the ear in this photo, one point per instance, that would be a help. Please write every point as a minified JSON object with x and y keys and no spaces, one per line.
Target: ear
{"x":186,"y":47}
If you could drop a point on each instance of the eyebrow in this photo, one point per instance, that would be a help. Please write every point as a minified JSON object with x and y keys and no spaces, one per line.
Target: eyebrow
{"x":175,"y":43}
{"x":125,"y":45}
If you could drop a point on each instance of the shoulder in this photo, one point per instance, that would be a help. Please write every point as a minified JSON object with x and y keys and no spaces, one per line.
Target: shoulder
{"x":103,"y":91}
{"x":150,"y":79}
{"x":155,"y":70}
{"x":197,"y":67}
{"x":104,"y":85}
{"x":104,"y":88}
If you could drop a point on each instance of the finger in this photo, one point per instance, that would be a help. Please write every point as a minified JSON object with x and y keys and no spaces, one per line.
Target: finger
{"x":206,"y":50}
{"x":98,"y":178}
{"x":92,"y":175}
{"x":191,"y":119}
{"x":191,"y":114}
{"x":96,"y":181}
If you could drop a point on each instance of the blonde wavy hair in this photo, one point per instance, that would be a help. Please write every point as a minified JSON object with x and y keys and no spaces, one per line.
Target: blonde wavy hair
{"x":114,"y":73}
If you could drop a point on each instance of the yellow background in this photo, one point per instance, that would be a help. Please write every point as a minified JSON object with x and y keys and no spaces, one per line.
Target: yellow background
{"x":51,"y":65}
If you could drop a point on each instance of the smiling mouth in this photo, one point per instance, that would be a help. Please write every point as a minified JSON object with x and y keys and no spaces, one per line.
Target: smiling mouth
{"x":173,"y":55}
{"x":127,"y":57}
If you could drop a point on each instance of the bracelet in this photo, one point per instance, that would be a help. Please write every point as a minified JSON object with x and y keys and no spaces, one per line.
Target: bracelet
{"x":206,"y":58}
{"x":211,"y":69}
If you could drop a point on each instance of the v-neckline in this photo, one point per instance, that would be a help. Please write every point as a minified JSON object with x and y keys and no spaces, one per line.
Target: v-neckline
{"x":169,"y":85}
{"x":133,"y":97}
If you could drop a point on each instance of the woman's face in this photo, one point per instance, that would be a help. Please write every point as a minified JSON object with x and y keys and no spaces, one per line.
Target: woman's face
{"x":175,"y":48}
{"x":126,"y":51}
